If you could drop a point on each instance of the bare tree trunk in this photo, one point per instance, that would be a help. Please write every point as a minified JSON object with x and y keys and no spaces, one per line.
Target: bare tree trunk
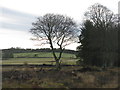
{"x":58,"y":67}
{"x":57,"y":59}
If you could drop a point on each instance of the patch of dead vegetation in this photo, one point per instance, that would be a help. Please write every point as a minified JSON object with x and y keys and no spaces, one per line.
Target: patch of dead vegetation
{"x":67,"y":77}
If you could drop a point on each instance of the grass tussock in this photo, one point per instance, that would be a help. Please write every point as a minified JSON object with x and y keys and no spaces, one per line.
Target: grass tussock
{"x":67,"y":77}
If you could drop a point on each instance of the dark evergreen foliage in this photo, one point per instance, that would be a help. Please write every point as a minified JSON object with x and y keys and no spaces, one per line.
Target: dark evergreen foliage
{"x":99,"y":38}
{"x":7,"y":54}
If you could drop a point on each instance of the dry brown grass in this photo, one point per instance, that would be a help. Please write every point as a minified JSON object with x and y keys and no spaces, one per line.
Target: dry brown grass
{"x":68,"y":77}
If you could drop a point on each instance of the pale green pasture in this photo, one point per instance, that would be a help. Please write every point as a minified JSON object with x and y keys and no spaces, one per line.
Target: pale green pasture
{"x":38,"y":61}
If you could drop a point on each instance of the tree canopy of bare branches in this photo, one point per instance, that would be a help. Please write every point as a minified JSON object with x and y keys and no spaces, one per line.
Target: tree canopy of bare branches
{"x":100,"y":15}
{"x":55,"y":29}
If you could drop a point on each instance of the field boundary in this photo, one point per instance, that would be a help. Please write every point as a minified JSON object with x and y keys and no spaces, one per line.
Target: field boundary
{"x":48,"y":65}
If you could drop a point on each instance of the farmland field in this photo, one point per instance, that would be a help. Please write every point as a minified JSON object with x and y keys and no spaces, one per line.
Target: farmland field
{"x":41,"y":76}
{"x":42,"y":54}
{"x":39,"y":58}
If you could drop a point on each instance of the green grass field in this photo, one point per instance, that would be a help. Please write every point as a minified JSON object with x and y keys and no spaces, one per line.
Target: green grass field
{"x":42,"y":58}
{"x":43,"y":54}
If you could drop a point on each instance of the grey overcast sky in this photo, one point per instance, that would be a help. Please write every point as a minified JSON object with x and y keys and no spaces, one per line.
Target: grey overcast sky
{"x":16,"y":17}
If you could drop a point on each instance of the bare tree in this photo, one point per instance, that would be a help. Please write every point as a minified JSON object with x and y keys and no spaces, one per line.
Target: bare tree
{"x":106,"y":39}
{"x":55,"y":30}
{"x":100,"y":15}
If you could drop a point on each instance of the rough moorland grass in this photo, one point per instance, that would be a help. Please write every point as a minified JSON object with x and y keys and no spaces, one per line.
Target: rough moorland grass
{"x":67,"y":77}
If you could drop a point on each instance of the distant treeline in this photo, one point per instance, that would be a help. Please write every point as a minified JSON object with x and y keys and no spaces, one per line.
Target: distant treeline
{"x":20,"y":50}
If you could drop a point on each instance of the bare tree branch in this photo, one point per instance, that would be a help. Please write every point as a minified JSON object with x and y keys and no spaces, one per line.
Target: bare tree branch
{"x":55,"y":29}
